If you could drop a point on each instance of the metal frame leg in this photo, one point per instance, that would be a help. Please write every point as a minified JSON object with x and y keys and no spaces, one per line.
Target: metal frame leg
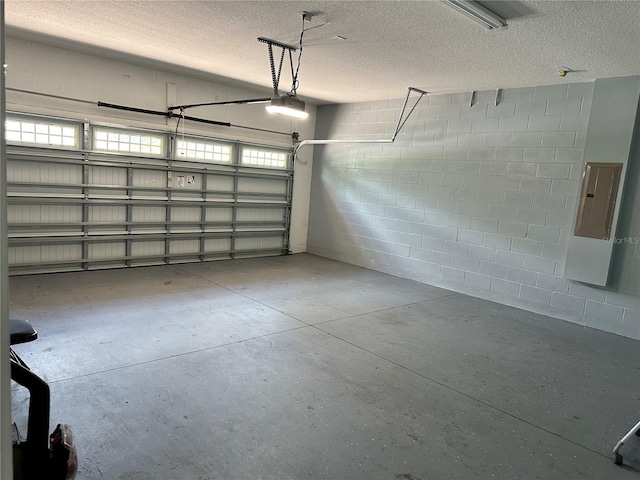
{"x":617,"y":458}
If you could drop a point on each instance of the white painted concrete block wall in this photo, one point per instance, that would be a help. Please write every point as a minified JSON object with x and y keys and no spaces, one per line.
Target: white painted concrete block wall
{"x":96,"y":76}
{"x":479,"y":199}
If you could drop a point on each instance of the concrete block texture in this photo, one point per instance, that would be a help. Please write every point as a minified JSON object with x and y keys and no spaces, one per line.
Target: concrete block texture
{"x":499,"y":197}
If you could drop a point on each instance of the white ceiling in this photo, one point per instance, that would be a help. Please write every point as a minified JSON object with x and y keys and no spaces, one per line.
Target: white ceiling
{"x":388,"y":45}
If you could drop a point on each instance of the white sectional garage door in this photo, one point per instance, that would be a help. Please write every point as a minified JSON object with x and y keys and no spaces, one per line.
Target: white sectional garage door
{"x":84,"y":196}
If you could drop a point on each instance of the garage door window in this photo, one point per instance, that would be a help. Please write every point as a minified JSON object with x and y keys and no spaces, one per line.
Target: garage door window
{"x":41,"y":133}
{"x":263,"y":158}
{"x":122,"y":141}
{"x":203,"y":151}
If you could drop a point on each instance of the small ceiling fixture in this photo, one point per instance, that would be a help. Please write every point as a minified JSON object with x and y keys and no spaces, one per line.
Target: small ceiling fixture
{"x":477,"y":12}
{"x":562,"y":71}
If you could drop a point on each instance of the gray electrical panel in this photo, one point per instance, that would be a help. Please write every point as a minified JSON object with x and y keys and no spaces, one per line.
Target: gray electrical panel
{"x":597,"y":200}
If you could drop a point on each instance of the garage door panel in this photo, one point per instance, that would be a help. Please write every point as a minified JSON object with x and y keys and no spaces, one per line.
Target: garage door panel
{"x":107,"y":250}
{"x":84,"y":209}
{"x":217,"y":214}
{"x":107,"y":213}
{"x":53,"y":253}
{"x":258,"y":215}
{"x":148,"y":214}
{"x":23,"y":171}
{"x":263,"y":185}
{"x":61,"y":173}
{"x":258,"y":243}
{"x":220,"y":183}
{"x":217,"y":245}
{"x":185,"y":246}
{"x":186,"y":214}
{"x":43,"y":214}
{"x":99,"y":175}
{"x":150,"y":179}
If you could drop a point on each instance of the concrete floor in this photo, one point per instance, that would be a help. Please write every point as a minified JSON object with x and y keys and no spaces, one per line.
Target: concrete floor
{"x":300,"y":367}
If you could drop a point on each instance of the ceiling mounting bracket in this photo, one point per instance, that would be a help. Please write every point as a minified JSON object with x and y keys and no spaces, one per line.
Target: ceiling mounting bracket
{"x":275,"y":77}
{"x":403,"y":118}
{"x":401,"y":121}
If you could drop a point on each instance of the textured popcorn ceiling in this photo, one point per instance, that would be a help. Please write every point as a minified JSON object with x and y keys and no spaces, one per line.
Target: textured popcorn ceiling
{"x":388,"y":45}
